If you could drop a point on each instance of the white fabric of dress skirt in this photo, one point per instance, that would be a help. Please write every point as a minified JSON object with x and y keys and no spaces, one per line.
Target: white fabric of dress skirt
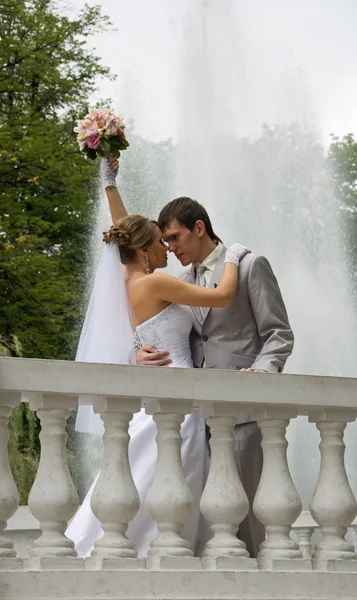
{"x":168,"y":330}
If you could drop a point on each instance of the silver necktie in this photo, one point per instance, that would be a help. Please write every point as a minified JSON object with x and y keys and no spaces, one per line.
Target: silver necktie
{"x":200,"y":280}
{"x":200,"y":275}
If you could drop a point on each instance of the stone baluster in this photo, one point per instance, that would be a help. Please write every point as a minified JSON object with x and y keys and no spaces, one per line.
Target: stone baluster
{"x":304,"y":535}
{"x":115,"y":500}
{"x":224,"y":502}
{"x":9,"y":498}
{"x":169,"y":499}
{"x":304,"y":529}
{"x":53,"y":499}
{"x":277,"y":503}
{"x":333,"y":505}
{"x":354,"y":536}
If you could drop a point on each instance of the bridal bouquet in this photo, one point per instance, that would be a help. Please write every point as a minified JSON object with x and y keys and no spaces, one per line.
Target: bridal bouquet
{"x":100,"y":132}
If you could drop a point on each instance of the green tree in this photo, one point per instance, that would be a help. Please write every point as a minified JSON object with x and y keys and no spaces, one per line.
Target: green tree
{"x":47,"y":197}
{"x":47,"y":188}
{"x":24,"y":448}
{"x":342,"y":158}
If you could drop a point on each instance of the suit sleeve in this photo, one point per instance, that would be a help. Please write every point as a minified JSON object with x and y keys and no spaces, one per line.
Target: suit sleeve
{"x":271,"y":317}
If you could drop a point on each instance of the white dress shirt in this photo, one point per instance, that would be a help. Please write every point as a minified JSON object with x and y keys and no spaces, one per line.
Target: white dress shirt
{"x":210,"y":262}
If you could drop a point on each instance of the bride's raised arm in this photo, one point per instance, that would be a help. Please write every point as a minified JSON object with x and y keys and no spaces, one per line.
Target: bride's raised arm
{"x":109,"y":170}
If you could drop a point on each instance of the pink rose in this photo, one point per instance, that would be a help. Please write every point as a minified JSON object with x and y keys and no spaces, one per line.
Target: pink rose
{"x":93,"y":141}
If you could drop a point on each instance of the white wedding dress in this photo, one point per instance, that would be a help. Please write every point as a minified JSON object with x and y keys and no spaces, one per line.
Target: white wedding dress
{"x":168,"y":330}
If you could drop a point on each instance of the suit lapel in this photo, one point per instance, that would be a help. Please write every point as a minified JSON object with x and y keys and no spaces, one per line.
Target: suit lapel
{"x":215,"y":279}
{"x":190,"y":276}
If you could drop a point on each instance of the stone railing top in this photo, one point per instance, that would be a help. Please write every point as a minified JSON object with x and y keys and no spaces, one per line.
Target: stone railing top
{"x":208,"y":385}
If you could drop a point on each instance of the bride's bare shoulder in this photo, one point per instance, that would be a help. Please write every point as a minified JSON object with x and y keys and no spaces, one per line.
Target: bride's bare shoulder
{"x":154,"y":279}
{"x":160,"y":278}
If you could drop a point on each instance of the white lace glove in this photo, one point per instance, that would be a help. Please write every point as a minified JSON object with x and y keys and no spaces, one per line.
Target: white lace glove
{"x":108,"y":176}
{"x":235,"y":253}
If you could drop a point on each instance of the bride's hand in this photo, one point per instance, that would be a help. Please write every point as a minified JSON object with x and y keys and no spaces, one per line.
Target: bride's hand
{"x":109,"y":170}
{"x":114,"y":165}
{"x":235,"y":253}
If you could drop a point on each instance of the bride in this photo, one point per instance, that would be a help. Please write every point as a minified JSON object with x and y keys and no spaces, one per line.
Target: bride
{"x":128,"y":295}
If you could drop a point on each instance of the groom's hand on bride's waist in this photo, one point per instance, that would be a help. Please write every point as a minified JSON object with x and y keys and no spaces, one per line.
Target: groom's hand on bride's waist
{"x":149,"y":356}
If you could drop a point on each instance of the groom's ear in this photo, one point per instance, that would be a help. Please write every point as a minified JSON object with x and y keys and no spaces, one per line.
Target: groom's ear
{"x":200,"y":228}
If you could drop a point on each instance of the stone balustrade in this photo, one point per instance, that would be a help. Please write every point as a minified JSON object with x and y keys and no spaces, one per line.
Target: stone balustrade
{"x":52,"y":388}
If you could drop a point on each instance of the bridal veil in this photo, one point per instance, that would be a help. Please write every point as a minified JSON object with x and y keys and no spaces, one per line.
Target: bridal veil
{"x":107,"y":334}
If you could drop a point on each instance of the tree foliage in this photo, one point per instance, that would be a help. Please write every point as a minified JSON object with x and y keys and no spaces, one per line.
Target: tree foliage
{"x":24,"y":448}
{"x":47,"y":188}
{"x":342,"y":159}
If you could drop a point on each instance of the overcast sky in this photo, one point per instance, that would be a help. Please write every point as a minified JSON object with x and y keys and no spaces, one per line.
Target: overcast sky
{"x":290,"y":57}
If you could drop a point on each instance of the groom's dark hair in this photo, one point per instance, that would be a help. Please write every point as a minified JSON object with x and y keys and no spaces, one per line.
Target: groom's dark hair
{"x":186,"y":211}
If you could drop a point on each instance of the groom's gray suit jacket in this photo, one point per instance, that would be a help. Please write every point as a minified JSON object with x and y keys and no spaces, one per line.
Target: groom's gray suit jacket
{"x":253,"y":332}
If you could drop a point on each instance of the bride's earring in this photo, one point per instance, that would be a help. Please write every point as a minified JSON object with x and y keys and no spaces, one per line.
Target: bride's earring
{"x":147,"y":265}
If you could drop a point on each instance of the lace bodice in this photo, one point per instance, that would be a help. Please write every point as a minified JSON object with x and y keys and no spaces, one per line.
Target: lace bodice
{"x":169,"y":330}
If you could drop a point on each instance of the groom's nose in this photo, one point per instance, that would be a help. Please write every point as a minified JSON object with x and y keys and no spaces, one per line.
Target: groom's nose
{"x":172,"y":246}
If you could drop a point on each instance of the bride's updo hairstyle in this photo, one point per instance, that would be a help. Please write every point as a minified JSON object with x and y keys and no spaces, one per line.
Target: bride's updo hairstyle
{"x":131,"y":233}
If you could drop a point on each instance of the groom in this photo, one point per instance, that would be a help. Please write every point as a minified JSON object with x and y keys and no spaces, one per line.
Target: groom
{"x":253,"y":334}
